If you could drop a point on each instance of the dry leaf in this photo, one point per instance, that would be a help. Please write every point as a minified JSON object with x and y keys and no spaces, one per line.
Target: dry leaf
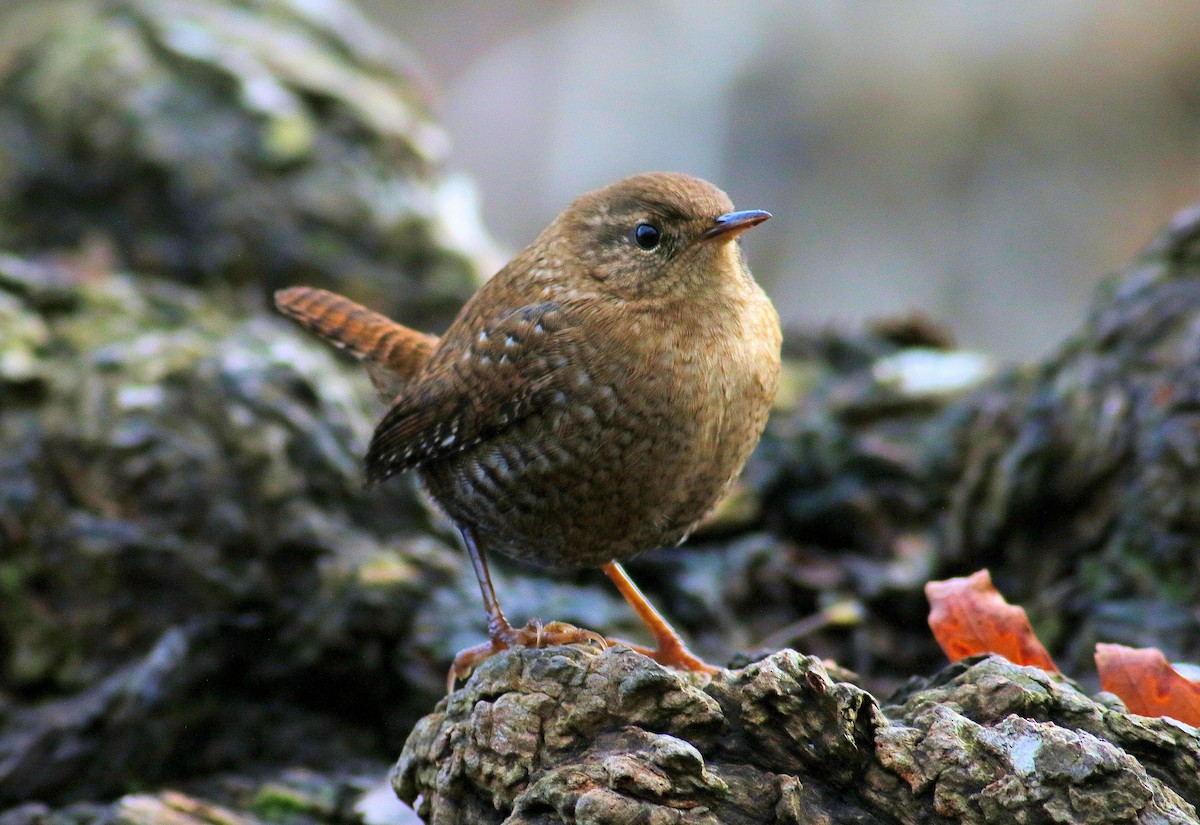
{"x":968,"y":616}
{"x":1147,"y":683}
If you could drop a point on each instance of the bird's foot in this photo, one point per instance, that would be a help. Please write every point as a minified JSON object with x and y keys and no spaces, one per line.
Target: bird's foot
{"x":671,"y":653}
{"x":533,"y":634}
{"x":671,"y":650}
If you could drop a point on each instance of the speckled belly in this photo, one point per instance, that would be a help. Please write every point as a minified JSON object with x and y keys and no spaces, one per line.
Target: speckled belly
{"x":609,"y":489}
{"x":627,"y":450}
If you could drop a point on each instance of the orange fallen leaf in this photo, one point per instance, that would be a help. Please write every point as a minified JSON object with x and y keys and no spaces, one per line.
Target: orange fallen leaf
{"x":968,"y":616}
{"x":1147,"y":683}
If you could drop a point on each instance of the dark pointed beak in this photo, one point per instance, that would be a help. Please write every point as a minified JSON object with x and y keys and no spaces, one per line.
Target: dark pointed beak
{"x":732,"y":224}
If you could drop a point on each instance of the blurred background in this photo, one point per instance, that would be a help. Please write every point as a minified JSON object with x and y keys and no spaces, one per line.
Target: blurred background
{"x":984,"y":162}
{"x":186,"y":550}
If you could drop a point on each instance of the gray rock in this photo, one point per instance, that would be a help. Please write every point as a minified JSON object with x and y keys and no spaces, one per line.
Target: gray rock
{"x":567,"y":735}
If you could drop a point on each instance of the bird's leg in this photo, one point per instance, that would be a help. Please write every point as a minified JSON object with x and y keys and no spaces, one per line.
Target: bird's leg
{"x":501,"y":634}
{"x":499,"y":630}
{"x":671,"y":650}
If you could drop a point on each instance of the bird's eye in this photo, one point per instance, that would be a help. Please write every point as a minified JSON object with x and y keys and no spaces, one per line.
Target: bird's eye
{"x":647,"y":235}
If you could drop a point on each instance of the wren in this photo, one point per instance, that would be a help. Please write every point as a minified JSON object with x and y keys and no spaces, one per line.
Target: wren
{"x":595,"y":399}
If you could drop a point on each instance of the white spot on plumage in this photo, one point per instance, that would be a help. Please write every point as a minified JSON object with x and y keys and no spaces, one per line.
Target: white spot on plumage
{"x":500,"y":464}
{"x":480,"y":473}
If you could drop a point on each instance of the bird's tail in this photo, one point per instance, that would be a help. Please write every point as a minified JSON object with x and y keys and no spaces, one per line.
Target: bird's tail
{"x":392,"y":353}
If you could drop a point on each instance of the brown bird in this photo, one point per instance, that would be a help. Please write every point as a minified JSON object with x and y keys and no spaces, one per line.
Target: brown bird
{"x":593,"y":400}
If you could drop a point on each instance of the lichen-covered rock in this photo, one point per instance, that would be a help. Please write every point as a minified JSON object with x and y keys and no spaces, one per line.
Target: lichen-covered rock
{"x":568,"y":735}
{"x":183,"y":525}
{"x":294,"y":796}
{"x":247,"y":142}
{"x":986,"y":738}
{"x":164,"y":460}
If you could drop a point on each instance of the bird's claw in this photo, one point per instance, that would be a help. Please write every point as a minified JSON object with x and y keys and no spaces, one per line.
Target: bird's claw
{"x":534,"y":634}
{"x":675,"y":656}
{"x":560,"y":633}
